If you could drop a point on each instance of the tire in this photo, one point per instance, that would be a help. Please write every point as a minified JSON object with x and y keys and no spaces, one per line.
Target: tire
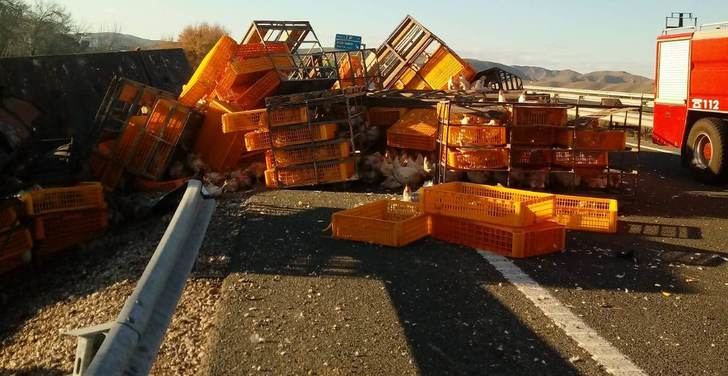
{"x":706,"y":150}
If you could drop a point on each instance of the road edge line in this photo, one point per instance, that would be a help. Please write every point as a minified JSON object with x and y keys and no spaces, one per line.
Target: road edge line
{"x":601,"y":350}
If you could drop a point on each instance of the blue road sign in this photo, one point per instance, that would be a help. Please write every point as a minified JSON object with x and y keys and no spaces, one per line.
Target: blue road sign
{"x":347,"y":42}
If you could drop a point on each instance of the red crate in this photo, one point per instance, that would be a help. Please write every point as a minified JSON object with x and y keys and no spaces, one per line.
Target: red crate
{"x":531,"y":158}
{"x":308,"y":154}
{"x":321,"y":173}
{"x":535,"y":240}
{"x":53,"y":200}
{"x":251,"y":50}
{"x":539,"y":115}
{"x":473,"y":136}
{"x":572,"y":158}
{"x":59,"y":231}
{"x":604,"y":140}
{"x":14,"y":242}
{"x":386,"y":222}
{"x":533,"y":136}
{"x":477,"y":159}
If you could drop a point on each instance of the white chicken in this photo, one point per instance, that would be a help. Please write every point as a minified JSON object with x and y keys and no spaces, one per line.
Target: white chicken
{"x":214,"y":178}
{"x":522,"y":97}
{"x":451,"y":86}
{"x":501,"y":96}
{"x":464,"y":85}
{"x":408,"y":175}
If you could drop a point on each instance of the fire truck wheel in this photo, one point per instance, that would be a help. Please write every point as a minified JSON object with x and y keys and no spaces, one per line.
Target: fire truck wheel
{"x":707,"y":150}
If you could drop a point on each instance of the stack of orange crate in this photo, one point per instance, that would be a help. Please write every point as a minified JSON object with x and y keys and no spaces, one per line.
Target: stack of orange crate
{"x":506,"y":221}
{"x":15,"y":240}
{"x":66,"y":217}
{"x":234,"y":79}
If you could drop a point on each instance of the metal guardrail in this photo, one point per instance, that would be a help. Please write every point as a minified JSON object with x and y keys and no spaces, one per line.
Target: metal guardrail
{"x":129,"y":345}
{"x":568,"y":95}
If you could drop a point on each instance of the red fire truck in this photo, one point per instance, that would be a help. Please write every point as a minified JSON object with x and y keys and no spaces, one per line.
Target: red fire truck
{"x":691,"y":95}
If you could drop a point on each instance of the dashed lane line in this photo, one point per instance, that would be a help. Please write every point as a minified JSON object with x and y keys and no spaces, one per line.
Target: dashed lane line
{"x":603,"y":352}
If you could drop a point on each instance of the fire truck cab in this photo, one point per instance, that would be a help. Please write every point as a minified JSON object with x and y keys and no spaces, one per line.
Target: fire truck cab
{"x":691,"y":97}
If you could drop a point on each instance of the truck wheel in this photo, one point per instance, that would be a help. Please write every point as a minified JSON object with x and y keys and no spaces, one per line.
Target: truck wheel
{"x":706,"y":150}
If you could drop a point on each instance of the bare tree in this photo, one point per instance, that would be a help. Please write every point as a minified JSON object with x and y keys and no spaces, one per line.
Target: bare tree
{"x":39,"y":29}
{"x":198,"y":39}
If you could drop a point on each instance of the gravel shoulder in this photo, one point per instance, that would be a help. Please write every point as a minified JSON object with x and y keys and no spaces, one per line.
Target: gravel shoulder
{"x":88,"y":286}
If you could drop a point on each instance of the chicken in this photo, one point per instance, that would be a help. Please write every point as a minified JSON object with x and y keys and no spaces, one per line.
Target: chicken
{"x":451,"y":84}
{"x":370,"y":168}
{"x":407,"y":194}
{"x":387,"y":167}
{"x":522,"y":97}
{"x":196,"y":164}
{"x":214,"y":178}
{"x":231,"y":185}
{"x":244,"y":180}
{"x":212,"y":190}
{"x":465,"y":120}
{"x":428,"y":166}
{"x":408,"y":175}
{"x":501,"y":96}
{"x":464,"y":85}
{"x":479,"y":85}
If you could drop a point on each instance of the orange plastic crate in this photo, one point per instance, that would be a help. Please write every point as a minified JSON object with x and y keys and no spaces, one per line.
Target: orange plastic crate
{"x":260,"y":140}
{"x":417,"y":130}
{"x":59,"y":231}
{"x":535,"y":240}
{"x":531,"y":158}
{"x":53,"y":200}
{"x":474,"y":135}
{"x":386,"y":222}
{"x":322,"y":173}
{"x":438,"y":70}
{"x":586,"y":213}
{"x":588,"y":139}
{"x":534,"y":136}
{"x":571,"y":158}
{"x":14,"y":242}
{"x":151,"y":157}
{"x":492,"y":204}
{"x":246,"y":121}
{"x":251,"y":50}
{"x":477,"y":159}
{"x":249,"y":69}
{"x":254,"y":96}
{"x":210,"y":69}
{"x":385,"y":116}
{"x":308,"y":154}
{"x":8,"y":216}
{"x":220,"y":151}
{"x":168,"y":120}
{"x":539,"y":115}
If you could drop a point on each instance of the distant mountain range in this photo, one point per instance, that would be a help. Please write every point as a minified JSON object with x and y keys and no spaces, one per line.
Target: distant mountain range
{"x":600,"y":80}
{"x":118,"y":42}
{"x":531,"y":75}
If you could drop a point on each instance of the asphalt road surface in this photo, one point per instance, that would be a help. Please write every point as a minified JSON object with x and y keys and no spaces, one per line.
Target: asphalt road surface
{"x":298,"y":302}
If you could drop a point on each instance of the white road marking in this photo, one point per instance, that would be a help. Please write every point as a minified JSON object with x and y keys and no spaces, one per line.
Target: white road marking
{"x":587,"y":338}
{"x":654,"y":149}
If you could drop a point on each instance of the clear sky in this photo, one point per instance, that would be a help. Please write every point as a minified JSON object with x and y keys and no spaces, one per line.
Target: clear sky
{"x":582,"y":35}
